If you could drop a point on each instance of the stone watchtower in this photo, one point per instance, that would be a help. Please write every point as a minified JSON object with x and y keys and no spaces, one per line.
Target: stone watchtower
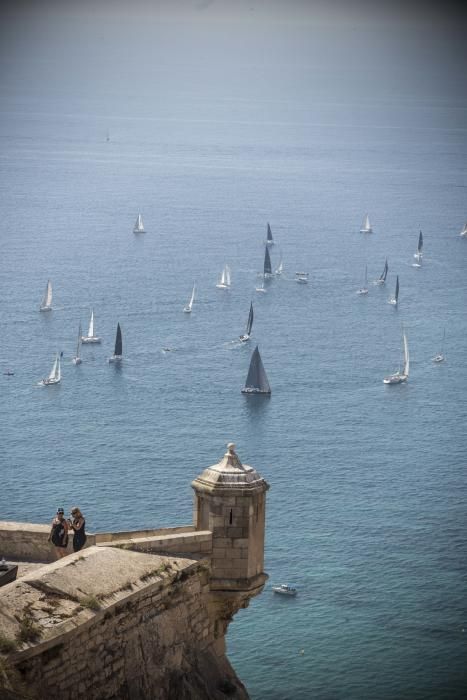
{"x":230,"y":500}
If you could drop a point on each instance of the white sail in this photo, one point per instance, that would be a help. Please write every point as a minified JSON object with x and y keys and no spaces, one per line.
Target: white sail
{"x":406,"y":357}
{"x":139,"y":226}
{"x":464,"y":231}
{"x":227,"y":276}
{"x":78,"y":345}
{"x":46,"y":303}
{"x":280,"y":267}
{"x":53,"y":371}
{"x":91,"y":326}
{"x":188,"y":307}
{"x":366,"y":226}
{"x":58,"y":371}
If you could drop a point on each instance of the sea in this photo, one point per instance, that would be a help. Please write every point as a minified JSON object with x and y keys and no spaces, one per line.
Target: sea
{"x":212,"y":120}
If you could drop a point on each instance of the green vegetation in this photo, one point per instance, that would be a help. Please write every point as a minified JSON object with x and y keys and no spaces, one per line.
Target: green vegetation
{"x":28,"y":630}
{"x":7,"y":645}
{"x":90,"y":603}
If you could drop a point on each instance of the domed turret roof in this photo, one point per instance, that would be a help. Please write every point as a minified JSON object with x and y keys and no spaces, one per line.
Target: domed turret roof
{"x":230,"y":473}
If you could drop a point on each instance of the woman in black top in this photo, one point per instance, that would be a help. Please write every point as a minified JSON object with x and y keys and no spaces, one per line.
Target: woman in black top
{"x":78,"y":524}
{"x":59,"y":533}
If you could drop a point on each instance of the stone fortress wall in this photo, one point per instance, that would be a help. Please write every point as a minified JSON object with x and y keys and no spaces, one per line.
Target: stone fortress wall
{"x":141,"y":614}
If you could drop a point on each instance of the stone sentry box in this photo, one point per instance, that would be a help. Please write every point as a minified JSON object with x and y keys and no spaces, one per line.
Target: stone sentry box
{"x":230,"y":500}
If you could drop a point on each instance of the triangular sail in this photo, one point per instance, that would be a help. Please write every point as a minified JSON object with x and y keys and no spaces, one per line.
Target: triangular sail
{"x":269,"y":235}
{"x":280,"y":267}
{"x":406,"y":356}
{"x":118,"y":342}
{"x":249,"y":324}
{"x":366,"y":223}
{"x":91,"y":325}
{"x":192,"y":298}
{"x":48,"y":294}
{"x":227,"y":276}
{"x":420,"y":243}
{"x":267,"y":262}
{"x":396,"y":294}
{"x":53,"y":371}
{"x":366,"y":275}
{"x":58,"y":373}
{"x":385,"y":271}
{"x":257,"y":379}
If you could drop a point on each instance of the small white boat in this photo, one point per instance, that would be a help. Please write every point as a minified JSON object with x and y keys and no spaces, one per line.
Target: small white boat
{"x":224,"y":280}
{"x":188,"y":307}
{"x":261,"y":289}
{"x":46,"y":303}
{"x":364,"y":290}
{"x":400,"y":376}
{"x":366,"y":226}
{"x":55,"y":373}
{"x":77,"y":359}
{"x":382,"y":278}
{"x":118,"y":350}
{"x":90,"y":337}
{"x":249,"y":325}
{"x":285,"y":589}
{"x":269,"y":239}
{"x":441,"y":355}
{"x":139,"y":226}
{"x":463,"y":233}
{"x":301,"y":277}
{"x":395,"y":299}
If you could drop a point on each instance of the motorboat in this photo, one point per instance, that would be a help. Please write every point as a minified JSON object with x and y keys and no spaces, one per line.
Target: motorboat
{"x":285,"y":589}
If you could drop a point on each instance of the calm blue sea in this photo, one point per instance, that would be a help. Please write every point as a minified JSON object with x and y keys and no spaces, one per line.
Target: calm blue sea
{"x":216,"y":129}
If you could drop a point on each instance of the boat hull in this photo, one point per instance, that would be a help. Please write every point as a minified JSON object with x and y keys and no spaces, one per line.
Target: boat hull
{"x":116,"y":358}
{"x":45,"y":308}
{"x":244,"y":338}
{"x":186,"y":310}
{"x":366,"y":230}
{"x":395,"y":379}
{"x":88,"y":340}
{"x":248,"y":390}
{"x":50,"y":382}
{"x":77,"y":360}
{"x":438,"y":358}
{"x":222,"y":286}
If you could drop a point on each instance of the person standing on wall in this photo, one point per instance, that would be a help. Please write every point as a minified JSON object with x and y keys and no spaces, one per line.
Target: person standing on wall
{"x":59,"y":533}
{"x":78,"y":524}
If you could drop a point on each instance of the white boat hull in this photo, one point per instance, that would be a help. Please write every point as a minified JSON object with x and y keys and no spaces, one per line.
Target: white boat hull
{"x":395,"y":379}
{"x":116,"y":358}
{"x":77,"y":360}
{"x":244,"y":338}
{"x":50,"y":382}
{"x":393,"y":302}
{"x":248,"y":390}
{"x":187,"y":310}
{"x":86,"y":339}
{"x":45,"y":308}
{"x":438,"y":358}
{"x":362,"y":292}
{"x":222,"y":286}
{"x":366,"y":230}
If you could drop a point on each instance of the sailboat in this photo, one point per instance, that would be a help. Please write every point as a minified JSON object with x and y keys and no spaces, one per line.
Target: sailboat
{"x":267,"y":263}
{"x":399,"y":377}
{"x":118,"y":350}
{"x":418,"y":255}
{"x":301,"y":277}
{"x":280,"y":267}
{"x":55,"y":373}
{"x":269,"y":239}
{"x":77,"y":359}
{"x":249,"y":324}
{"x":261,"y":289}
{"x":188,"y":307}
{"x":46,"y":303}
{"x":393,"y":300}
{"x":90,"y":337}
{"x":440,"y":356}
{"x":382,"y":278}
{"x":139,"y":226}
{"x":224,"y":281}
{"x":463,"y":233}
{"x":364,"y":290}
{"x":256,"y":381}
{"x":366,"y":226}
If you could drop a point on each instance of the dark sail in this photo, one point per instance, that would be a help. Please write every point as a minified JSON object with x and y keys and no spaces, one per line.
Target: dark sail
{"x":420,"y":242}
{"x":256,"y":381}
{"x":267,"y":263}
{"x":118,"y":342}
{"x":269,"y":235}
{"x":385,"y":271}
{"x":250,"y":320}
{"x":396,"y":295}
